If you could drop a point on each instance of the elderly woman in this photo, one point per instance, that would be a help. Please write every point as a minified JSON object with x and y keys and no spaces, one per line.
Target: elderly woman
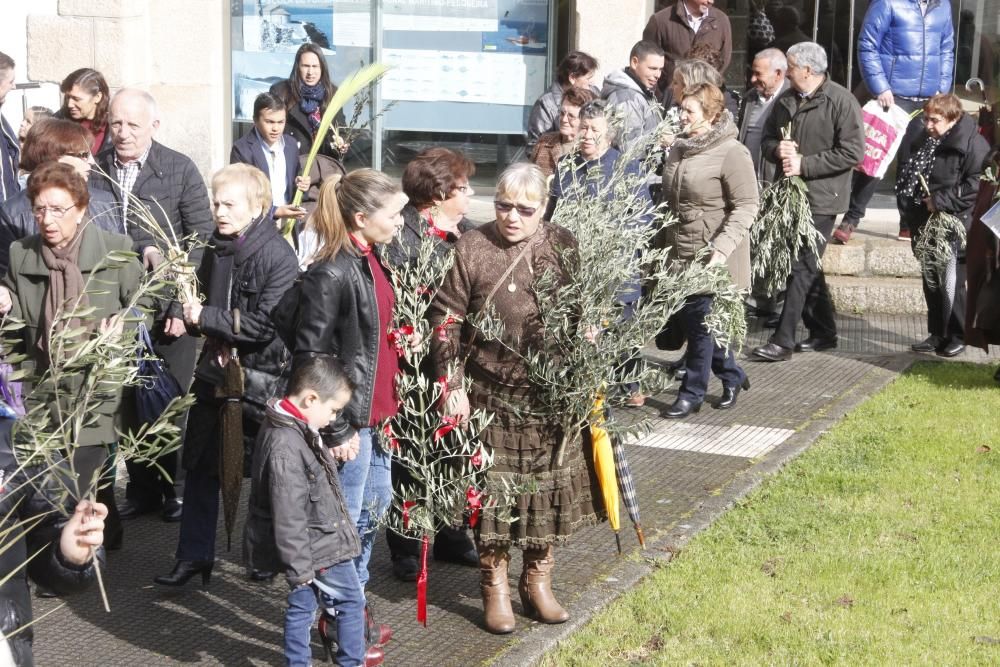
{"x":49,"y":140}
{"x":65,"y":266}
{"x":710,"y":185}
{"x":306,"y":92}
{"x":553,"y":145}
{"x":593,"y":167}
{"x":437,"y":184}
{"x":345,"y":309}
{"x":949,"y":155}
{"x":247,"y":267}
{"x":87,"y":100}
{"x":494,"y":268}
{"x":576,"y":70}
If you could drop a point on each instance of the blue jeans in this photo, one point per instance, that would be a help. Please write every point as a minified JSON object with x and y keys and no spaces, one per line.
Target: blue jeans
{"x":367,"y":488}
{"x":341,"y":593}
{"x":703,"y":354}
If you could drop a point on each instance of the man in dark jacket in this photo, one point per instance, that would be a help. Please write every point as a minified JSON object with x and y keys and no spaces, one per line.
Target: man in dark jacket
{"x":679,"y":27}
{"x":827,"y":142}
{"x":9,"y":147}
{"x":150,"y":180}
{"x":906,"y":50}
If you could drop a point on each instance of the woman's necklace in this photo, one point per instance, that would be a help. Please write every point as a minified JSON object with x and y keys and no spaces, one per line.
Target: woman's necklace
{"x":512,"y":286}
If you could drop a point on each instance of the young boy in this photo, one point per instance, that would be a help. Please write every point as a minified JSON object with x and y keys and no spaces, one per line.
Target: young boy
{"x":297,"y":520}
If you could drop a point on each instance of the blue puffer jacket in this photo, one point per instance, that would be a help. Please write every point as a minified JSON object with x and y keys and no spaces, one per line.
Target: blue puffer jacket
{"x":904,"y":51}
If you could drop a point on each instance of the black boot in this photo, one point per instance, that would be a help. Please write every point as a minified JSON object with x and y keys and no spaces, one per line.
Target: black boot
{"x":184,"y":570}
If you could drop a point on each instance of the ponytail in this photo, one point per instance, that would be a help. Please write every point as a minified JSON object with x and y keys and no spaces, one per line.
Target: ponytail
{"x":340,"y":197}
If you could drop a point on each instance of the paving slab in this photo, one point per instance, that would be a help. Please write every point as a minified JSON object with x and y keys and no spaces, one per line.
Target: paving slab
{"x":687,"y":473}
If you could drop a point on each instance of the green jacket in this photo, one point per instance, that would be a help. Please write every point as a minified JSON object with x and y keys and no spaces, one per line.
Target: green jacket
{"x":831,"y":139}
{"x":110,"y":289}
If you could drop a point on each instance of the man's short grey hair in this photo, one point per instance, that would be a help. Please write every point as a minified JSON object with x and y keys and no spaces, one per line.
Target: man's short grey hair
{"x":150,"y":101}
{"x":809,"y":54}
{"x":775,"y":58}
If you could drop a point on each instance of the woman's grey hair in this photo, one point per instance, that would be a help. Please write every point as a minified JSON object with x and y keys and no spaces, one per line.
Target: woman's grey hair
{"x":698,"y":71}
{"x":600,"y":109}
{"x":809,"y":54}
{"x":523,"y":178}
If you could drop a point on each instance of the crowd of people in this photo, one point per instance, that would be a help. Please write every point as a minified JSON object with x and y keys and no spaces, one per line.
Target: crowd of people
{"x":320,"y":367}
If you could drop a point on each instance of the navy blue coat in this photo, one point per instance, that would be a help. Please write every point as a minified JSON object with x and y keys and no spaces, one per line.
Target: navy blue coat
{"x":10,"y":157}
{"x":248,"y":150}
{"x":902,"y":50}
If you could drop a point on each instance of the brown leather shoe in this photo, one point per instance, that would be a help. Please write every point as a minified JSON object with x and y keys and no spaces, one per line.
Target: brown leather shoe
{"x":497,"y":611}
{"x":636,"y":400}
{"x":535,"y":587}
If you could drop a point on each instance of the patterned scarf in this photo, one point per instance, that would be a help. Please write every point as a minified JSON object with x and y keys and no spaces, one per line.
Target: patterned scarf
{"x":908,"y":188}
{"x":310,"y":99}
{"x":65,"y":290}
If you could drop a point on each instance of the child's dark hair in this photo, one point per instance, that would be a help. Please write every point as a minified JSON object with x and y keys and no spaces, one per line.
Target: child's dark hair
{"x":324,"y":374}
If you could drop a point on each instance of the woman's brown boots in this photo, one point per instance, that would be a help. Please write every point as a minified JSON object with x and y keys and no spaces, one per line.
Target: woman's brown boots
{"x":535,"y":587}
{"x":493,"y":562}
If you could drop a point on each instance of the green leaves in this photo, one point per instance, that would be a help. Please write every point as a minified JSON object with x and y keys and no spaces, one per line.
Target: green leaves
{"x":783,"y":227}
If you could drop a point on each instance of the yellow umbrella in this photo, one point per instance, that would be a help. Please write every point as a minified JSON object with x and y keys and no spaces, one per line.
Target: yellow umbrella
{"x":604,"y":466}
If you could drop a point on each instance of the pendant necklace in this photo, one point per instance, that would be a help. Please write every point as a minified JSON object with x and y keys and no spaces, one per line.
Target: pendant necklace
{"x":512,"y":286}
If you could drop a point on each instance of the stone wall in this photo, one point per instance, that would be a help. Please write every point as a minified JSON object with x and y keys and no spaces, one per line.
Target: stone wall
{"x":176,"y":50}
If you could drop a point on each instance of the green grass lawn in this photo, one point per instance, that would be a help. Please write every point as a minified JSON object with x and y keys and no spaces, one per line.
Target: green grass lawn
{"x":880,"y":545}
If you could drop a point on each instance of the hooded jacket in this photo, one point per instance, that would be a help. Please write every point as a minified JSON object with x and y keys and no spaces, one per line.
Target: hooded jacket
{"x":906,"y":51}
{"x":296,"y":518}
{"x":642,"y":111}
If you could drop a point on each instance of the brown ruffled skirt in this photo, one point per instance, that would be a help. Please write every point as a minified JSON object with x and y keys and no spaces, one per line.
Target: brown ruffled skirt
{"x":537,"y":502}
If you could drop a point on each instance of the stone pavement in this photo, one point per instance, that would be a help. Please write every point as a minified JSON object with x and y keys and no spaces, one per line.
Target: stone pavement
{"x":686,"y":472}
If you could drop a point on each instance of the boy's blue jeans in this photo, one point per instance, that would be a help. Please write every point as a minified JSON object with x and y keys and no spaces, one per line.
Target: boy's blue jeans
{"x":339,"y":589}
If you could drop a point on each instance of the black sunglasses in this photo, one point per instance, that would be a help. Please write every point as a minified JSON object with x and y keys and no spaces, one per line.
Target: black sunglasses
{"x":507,"y":207}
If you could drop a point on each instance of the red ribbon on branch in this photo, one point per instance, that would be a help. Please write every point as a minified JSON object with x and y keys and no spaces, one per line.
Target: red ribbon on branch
{"x":475,"y":503}
{"x":448,"y":424}
{"x":442,"y":383}
{"x":422,"y":582}
{"x":407,"y":506}
{"x":397,"y":338}
{"x":442,"y":329}
{"x":477,"y":458}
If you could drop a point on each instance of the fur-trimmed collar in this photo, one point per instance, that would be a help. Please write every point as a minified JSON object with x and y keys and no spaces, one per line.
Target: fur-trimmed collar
{"x":723,"y":129}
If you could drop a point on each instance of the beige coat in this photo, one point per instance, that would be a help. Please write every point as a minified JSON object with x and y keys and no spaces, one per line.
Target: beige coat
{"x":710,"y":185}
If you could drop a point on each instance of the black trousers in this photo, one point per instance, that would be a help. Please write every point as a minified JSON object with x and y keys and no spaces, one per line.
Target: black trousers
{"x":945,"y":312}
{"x":147,"y":486}
{"x":401,"y":546}
{"x":806,"y":293}
{"x":91,"y":464}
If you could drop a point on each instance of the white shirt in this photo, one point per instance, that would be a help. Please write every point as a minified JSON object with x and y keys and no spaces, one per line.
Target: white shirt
{"x":693,"y":20}
{"x":275,"y":156}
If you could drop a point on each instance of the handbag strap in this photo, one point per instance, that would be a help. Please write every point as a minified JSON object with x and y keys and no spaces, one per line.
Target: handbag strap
{"x":510,"y":269}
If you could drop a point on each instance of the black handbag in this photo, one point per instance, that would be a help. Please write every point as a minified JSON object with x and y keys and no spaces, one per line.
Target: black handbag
{"x":157,"y":387}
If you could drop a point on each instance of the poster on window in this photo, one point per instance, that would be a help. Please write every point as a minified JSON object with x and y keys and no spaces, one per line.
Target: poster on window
{"x":282,"y":27}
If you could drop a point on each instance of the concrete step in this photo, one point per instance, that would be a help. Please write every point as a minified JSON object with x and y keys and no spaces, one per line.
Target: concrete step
{"x":871,"y":257}
{"x":868,"y":294}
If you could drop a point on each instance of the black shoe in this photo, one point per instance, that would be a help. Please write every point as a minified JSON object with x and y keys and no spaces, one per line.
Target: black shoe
{"x":930,"y":344}
{"x":132,"y":510}
{"x":463,"y":553}
{"x":184,"y":570}
{"x":772,"y":322}
{"x":262,"y":576}
{"x":44,"y":593}
{"x":772,"y":352}
{"x":952,"y":348}
{"x":682,"y":408}
{"x":816,"y":344}
{"x":730,"y":394}
{"x":173,"y":508}
{"x":405,"y":568}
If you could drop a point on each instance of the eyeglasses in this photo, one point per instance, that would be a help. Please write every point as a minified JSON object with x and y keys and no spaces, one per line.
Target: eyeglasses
{"x":568,"y":115}
{"x":83,"y":155}
{"x":464,"y":189}
{"x":57,"y":211}
{"x":507,"y":207}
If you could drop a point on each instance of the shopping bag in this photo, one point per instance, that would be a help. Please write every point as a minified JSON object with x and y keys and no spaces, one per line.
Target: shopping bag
{"x":157,"y":387}
{"x":884,"y":132}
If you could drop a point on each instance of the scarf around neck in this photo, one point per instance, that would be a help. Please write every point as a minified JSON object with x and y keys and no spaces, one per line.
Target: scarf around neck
{"x":65,"y":290}
{"x":310,"y":99}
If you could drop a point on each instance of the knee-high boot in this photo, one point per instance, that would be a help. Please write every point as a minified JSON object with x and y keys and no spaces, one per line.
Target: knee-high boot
{"x":536,"y":587}
{"x":493,"y":562}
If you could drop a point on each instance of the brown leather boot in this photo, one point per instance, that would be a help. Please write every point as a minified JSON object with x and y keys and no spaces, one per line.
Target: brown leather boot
{"x":536,"y":587}
{"x":499,"y":615}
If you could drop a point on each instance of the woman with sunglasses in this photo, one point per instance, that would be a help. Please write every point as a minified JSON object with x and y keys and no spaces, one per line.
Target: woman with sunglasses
{"x":49,"y":140}
{"x":495,"y":266}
